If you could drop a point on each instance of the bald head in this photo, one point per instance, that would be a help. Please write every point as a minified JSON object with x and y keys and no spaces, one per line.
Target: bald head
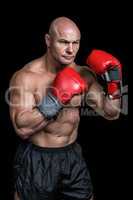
{"x":63,"y":41}
{"x":61,"y":24}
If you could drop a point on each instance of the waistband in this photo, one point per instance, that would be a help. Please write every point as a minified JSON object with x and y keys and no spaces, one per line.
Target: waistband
{"x":54,"y":149}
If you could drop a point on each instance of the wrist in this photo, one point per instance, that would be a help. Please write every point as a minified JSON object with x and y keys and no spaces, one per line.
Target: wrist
{"x":49,"y":106}
{"x":114,"y":90}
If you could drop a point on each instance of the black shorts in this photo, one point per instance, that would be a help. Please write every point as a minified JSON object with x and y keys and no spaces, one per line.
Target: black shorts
{"x":51,"y":173}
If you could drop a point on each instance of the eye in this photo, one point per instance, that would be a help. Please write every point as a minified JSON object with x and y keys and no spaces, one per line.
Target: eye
{"x":76,"y":42}
{"x":64,"y":42}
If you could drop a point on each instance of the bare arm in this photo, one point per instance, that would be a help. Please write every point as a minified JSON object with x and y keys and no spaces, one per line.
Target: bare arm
{"x":95,"y":98}
{"x":26,"y":118}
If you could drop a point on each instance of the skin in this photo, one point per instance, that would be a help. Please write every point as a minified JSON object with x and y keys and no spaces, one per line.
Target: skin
{"x":29,"y":85}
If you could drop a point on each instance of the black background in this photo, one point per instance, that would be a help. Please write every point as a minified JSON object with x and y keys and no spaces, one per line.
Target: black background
{"x":105,"y":143}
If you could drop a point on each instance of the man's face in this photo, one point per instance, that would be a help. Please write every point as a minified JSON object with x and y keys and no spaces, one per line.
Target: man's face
{"x":64,"y":45}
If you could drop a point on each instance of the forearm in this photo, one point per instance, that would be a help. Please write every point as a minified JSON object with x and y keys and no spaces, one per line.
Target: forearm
{"x":107,"y":108}
{"x":29,"y":122}
{"x":111,"y":108}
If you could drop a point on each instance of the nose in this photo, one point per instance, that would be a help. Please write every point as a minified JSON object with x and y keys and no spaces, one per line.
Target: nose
{"x":70,"y":48}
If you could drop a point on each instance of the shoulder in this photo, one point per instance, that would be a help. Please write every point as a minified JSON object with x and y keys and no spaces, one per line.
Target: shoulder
{"x":19,"y":77}
{"x":85,"y":70}
{"x":27,"y":74}
{"x":22,"y":79}
{"x":87,"y":73}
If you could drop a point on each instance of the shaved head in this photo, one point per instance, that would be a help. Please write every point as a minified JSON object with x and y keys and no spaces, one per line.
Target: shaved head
{"x":63,"y":41}
{"x":62,"y":23}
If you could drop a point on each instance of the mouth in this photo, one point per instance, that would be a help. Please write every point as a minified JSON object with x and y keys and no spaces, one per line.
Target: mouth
{"x":68,"y":57}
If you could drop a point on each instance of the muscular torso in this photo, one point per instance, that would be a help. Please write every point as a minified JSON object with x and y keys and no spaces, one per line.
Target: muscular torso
{"x":62,"y":130}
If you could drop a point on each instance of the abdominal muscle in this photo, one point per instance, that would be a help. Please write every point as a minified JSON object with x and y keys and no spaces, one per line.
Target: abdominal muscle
{"x":60,"y":132}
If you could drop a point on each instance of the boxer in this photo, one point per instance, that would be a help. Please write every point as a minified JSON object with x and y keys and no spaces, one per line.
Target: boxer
{"x":45,"y":98}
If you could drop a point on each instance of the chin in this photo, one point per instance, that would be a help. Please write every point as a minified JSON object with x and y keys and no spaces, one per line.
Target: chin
{"x":66,"y":62}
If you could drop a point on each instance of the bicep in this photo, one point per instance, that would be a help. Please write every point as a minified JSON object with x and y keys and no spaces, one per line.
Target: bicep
{"x":21,"y":98}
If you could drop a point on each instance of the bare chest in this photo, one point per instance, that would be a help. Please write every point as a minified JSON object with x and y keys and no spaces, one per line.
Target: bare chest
{"x":42,"y":85}
{"x":69,"y":115}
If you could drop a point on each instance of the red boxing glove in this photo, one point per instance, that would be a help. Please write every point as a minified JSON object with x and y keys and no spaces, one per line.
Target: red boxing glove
{"x":68,"y":83}
{"x":103,"y":63}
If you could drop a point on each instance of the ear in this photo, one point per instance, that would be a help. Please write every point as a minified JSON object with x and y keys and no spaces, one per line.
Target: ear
{"x":47,"y":40}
